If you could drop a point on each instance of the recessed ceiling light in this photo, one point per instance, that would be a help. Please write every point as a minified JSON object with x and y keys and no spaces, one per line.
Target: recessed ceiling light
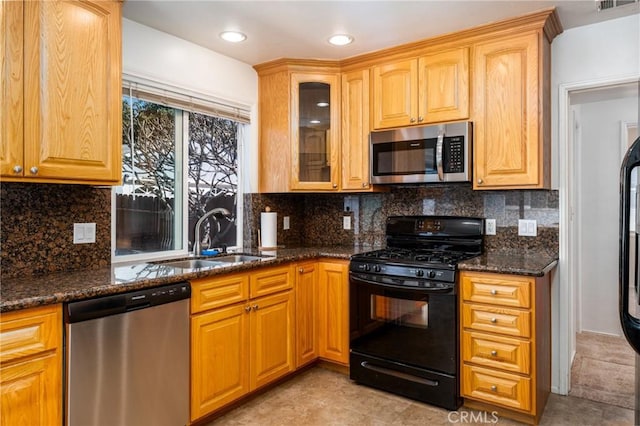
{"x":314,"y":121}
{"x":233,"y":36}
{"x":340,"y":39}
{"x":322,"y":104}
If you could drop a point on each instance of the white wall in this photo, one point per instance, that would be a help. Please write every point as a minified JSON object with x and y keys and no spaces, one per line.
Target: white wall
{"x":155,"y":55}
{"x":607,"y":51}
{"x":598,"y":192}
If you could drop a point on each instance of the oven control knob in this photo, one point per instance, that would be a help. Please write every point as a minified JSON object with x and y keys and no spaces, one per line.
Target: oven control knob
{"x":367,"y":268}
{"x":419,"y":273}
{"x":376,"y":268}
{"x":431,"y":274}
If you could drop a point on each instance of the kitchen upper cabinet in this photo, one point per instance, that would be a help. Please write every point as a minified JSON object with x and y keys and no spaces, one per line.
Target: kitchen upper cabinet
{"x":31,"y":366}
{"x":306,"y":313}
{"x":356,"y":168}
{"x":315,"y":131}
{"x":61,"y":84}
{"x":429,"y":89}
{"x":333,"y":311}
{"x":511,"y":112}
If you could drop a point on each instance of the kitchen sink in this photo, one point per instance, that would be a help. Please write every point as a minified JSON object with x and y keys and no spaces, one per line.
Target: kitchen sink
{"x":191,"y":263}
{"x":234,"y":258}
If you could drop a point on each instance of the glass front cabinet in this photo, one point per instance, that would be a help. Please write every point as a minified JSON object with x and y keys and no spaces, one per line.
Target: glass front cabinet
{"x":315,"y":131}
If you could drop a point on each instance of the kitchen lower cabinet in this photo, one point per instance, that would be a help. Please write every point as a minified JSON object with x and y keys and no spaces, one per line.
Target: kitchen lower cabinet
{"x":60,"y":111}
{"x":239,"y":343}
{"x":333,"y":311}
{"x":31,"y":367}
{"x":505,"y":343}
{"x":306,"y":313}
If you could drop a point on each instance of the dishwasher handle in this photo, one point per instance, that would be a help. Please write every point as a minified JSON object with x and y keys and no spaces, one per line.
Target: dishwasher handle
{"x":104,"y":306}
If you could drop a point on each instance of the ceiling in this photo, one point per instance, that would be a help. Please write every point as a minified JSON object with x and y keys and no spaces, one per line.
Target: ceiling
{"x":300,"y":29}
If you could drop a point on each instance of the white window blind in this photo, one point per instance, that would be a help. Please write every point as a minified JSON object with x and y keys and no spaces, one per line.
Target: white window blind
{"x":187,"y":100}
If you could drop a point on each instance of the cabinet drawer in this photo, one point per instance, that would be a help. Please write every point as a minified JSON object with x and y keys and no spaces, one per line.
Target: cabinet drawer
{"x":28,"y":332}
{"x":513,"y":322}
{"x":272,"y":280}
{"x":514,"y":291}
{"x":213,"y":292}
{"x":496,"y":387}
{"x":494,"y":351}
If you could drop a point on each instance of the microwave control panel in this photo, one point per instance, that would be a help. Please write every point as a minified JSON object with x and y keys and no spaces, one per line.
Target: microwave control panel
{"x":453,"y":154}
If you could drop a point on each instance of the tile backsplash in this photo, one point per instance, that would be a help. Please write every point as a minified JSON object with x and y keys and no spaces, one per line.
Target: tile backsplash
{"x":36,"y":220}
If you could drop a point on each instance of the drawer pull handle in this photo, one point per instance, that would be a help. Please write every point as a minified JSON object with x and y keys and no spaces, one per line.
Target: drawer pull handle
{"x":494,"y":291}
{"x":494,"y":388}
{"x":494,"y":320}
{"x":494,"y":353}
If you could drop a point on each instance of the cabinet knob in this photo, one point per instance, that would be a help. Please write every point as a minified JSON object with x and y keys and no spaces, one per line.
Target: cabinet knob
{"x":301,"y":270}
{"x":494,"y":291}
{"x":494,"y":353}
{"x":479,"y":181}
{"x":17,"y":169}
{"x":494,"y":320}
{"x":420,"y":119}
{"x":335,"y":185}
{"x":494,"y":388}
{"x":256,"y":307}
{"x":412,"y":120}
{"x":247,"y":309}
{"x":34,"y":170}
{"x":365,"y":184}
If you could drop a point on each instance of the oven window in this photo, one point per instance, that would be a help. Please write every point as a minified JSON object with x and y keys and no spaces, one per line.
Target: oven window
{"x":400,"y":312}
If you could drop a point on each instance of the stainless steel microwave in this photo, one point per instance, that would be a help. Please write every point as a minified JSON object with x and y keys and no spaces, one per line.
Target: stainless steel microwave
{"x":422,"y":154}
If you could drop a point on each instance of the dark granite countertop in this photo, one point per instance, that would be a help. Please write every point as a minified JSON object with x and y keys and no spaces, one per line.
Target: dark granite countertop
{"x":26,"y":292}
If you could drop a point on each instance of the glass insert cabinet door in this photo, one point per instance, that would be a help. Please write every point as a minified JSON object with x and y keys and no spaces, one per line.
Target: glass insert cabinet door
{"x":315,"y":131}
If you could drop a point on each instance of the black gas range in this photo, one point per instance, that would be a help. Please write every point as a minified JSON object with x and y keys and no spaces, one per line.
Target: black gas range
{"x":404,"y":308}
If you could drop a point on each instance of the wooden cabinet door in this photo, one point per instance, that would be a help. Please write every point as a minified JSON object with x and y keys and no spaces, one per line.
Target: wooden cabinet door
{"x":444,"y":86}
{"x":11,"y":86}
{"x":356,"y":167}
{"x":333,"y":311}
{"x":72,"y":90}
{"x":271,"y":335}
{"x":31,"y":391}
{"x":395,"y":94}
{"x":306,"y":313}
{"x":219,"y":358}
{"x":315,"y":132}
{"x":506,"y":101}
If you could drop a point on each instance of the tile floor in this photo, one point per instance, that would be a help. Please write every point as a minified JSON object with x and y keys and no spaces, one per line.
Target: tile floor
{"x":319,"y":397}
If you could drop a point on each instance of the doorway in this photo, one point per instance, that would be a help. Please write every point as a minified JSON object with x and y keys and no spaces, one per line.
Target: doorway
{"x":601,"y":121}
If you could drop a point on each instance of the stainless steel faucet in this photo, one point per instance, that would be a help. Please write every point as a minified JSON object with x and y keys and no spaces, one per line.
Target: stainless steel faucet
{"x":220,"y":211}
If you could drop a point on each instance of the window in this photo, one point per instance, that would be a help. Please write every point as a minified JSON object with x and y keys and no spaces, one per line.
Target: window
{"x":176,"y":165}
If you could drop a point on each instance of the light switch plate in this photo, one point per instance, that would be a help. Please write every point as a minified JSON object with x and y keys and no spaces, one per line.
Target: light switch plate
{"x":527,"y":228}
{"x":285,"y":223}
{"x":84,"y":233}
{"x":346,"y":222}
{"x":490,"y":227}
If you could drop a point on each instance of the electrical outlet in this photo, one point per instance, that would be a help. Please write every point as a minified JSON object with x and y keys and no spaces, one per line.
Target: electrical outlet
{"x":527,"y":227}
{"x":346,"y":222}
{"x":285,"y":223}
{"x":84,"y":233}
{"x":490,"y":227}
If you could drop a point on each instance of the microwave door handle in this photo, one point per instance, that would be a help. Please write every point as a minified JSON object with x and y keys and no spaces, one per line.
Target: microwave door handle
{"x":439,"y":144}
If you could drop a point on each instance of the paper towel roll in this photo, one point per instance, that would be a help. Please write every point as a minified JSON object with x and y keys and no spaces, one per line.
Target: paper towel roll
{"x":269,"y":229}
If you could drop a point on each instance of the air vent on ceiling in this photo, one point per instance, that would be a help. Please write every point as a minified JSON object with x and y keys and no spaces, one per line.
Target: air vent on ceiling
{"x":610,"y":4}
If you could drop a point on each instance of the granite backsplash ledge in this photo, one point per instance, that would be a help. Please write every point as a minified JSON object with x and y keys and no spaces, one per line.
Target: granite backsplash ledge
{"x":36,"y":228}
{"x":317,"y":219}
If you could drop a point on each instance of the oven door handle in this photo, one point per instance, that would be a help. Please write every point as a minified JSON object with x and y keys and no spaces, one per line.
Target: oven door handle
{"x":439,"y":145}
{"x":357,"y":279}
{"x":398,"y":374}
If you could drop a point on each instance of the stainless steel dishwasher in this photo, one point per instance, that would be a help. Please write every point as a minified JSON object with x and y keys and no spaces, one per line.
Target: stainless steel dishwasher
{"x":127,"y":358}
